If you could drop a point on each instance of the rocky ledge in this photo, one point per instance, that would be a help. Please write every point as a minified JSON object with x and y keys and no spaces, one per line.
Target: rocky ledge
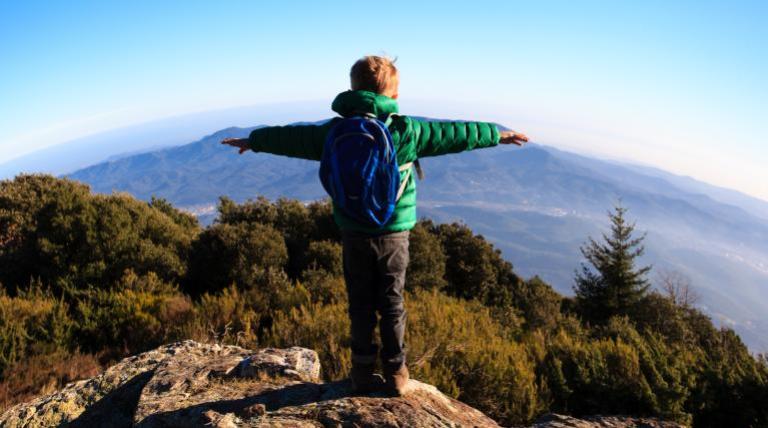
{"x":190,"y":384}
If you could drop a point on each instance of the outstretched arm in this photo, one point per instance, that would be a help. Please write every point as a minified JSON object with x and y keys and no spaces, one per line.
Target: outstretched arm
{"x":296,"y":141}
{"x":434,"y":138}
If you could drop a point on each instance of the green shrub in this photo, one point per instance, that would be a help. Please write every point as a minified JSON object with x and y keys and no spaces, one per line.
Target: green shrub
{"x":474,"y":268}
{"x":538,"y":303}
{"x":470,"y":268}
{"x":226,"y":317}
{"x":141,"y":313}
{"x":233,"y":253}
{"x":659,"y":314}
{"x":732,"y":387}
{"x":241,"y":316}
{"x":324,"y":287}
{"x":460,"y":348}
{"x":619,"y":371}
{"x":32,"y":323}
{"x":55,"y":230}
{"x":324,"y":328}
{"x":299,"y":224}
{"x":426,"y":268}
{"x":183,"y":219}
{"x":324,"y":255}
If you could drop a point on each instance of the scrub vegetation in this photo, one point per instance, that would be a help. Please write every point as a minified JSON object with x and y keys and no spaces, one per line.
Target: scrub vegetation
{"x":87,"y":279}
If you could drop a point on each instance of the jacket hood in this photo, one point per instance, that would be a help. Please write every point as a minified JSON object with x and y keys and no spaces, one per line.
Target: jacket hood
{"x":350,"y":103}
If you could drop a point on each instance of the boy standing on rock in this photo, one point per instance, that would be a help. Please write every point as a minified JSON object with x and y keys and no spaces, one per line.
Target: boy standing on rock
{"x":375,"y":244}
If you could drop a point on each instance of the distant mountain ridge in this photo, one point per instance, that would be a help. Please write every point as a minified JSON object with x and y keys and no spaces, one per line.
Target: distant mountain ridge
{"x":755,"y":206}
{"x":538,"y":204}
{"x":68,"y":156}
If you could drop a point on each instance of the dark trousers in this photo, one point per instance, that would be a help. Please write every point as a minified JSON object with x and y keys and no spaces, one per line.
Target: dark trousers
{"x":374,"y":271}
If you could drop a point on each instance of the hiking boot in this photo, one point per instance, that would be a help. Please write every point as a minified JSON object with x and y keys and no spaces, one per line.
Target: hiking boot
{"x":363,"y":379}
{"x":396,"y":378}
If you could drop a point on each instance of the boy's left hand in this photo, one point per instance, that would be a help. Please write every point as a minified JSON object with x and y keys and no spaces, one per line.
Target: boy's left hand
{"x":512,"y":137}
{"x":240,"y":143}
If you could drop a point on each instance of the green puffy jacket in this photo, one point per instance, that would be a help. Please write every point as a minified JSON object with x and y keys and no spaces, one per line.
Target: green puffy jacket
{"x":412,"y":138}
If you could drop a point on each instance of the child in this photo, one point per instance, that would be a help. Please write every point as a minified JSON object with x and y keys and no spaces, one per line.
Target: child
{"x":375,"y":259}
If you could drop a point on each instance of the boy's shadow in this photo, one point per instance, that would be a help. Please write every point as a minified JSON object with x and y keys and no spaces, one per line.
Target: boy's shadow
{"x":117,"y":408}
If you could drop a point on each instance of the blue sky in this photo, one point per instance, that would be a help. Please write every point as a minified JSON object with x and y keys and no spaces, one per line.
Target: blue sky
{"x":680,"y":85}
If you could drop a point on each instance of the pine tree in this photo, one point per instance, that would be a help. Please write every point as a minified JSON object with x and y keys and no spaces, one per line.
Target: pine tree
{"x":612,"y":285}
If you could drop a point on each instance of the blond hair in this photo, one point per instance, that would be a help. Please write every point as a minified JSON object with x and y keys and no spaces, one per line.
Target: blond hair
{"x":374,"y":73}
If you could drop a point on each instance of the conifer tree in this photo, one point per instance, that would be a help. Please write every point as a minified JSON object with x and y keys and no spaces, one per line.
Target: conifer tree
{"x":612,"y":285}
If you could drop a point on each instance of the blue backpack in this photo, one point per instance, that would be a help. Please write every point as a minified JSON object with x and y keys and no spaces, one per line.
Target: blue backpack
{"x":359,"y":169}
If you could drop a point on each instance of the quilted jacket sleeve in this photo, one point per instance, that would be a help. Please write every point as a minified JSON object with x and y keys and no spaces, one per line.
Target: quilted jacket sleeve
{"x":296,"y":141}
{"x":434,"y":138}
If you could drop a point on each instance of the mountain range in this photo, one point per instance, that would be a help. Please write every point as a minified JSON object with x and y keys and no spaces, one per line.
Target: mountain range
{"x":537,"y":204}
{"x":65,"y":157}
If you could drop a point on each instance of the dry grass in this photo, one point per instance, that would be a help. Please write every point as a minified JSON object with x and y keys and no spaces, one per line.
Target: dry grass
{"x":44,"y":374}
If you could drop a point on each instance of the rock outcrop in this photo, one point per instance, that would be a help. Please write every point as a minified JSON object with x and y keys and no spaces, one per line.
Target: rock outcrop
{"x":189,"y":384}
{"x":561,"y":421}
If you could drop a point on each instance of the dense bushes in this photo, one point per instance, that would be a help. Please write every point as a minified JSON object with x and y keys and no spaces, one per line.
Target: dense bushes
{"x":56,"y":231}
{"x":462,"y":349}
{"x":615,"y":370}
{"x":426,"y":268}
{"x":137,"y":313}
{"x":224,"y":254}
{"x":34,"y":322}
{"x":90,"y":278}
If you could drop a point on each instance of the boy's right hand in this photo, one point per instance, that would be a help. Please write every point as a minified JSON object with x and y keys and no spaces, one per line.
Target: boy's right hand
{"x":512,"y":137}
{"x":240,"y":143}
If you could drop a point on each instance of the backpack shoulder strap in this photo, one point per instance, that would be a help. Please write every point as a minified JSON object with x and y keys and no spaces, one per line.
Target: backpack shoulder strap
{"x":405,"y":169}
{"x":388,"y":120}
